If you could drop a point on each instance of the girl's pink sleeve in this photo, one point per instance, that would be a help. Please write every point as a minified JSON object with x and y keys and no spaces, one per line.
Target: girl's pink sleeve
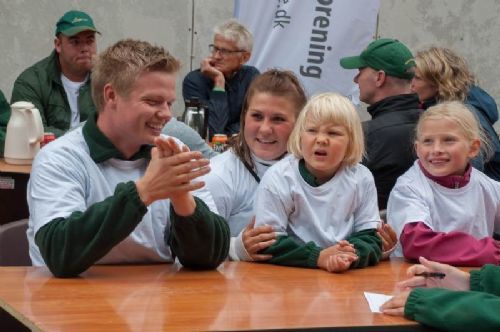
{"x":454,"y":248}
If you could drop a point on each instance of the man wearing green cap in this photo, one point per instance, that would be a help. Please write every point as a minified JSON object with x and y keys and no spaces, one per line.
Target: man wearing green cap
{"x":59,"y":85}
{"x":384,"y":83}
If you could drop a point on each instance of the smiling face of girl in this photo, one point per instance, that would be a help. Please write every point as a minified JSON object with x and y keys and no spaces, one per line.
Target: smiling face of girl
{"x":442,"y":147}
{"x":269,"y":121}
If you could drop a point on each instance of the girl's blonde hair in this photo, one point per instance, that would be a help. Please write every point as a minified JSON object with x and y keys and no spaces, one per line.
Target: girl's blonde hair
{"x":330,"y":108}
{"x":465,"y":120}
{"x":447,"y":71}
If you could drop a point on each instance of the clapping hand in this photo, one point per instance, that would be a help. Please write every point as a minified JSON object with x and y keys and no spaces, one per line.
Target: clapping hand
{"x":170,"y":174}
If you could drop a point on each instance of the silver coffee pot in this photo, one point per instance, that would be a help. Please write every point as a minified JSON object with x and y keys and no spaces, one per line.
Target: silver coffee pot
{"x":196,"y":116}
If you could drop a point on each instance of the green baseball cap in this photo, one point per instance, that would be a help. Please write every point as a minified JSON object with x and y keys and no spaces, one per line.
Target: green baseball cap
{"x":74,"y":22}
{"x":389,"y":55}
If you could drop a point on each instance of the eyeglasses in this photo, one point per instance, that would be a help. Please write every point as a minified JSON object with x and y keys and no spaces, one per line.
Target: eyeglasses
{"x":222,"y":51}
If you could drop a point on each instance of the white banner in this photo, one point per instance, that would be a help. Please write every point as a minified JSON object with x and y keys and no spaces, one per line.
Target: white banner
{"x":309,"y":37}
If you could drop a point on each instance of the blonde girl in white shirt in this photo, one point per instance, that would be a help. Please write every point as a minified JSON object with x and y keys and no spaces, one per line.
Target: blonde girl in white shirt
{"x":320,"y":201}
{"x":442,"y":208}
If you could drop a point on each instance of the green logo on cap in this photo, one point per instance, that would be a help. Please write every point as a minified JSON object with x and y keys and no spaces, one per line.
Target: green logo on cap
{"x":78,"y":19}
{"x":74,"y":22}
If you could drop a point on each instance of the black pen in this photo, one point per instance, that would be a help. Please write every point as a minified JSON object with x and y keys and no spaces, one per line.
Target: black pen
{"x":438,"y":275}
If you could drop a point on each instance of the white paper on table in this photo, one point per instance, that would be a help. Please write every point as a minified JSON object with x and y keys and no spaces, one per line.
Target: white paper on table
{"x":376,"y":300}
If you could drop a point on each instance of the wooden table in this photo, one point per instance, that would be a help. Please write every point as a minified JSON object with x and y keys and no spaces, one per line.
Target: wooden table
{"x":237,"y":296}
{"x":10,"y":168}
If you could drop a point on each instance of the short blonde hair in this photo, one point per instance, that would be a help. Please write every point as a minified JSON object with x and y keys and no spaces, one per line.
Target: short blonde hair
{"x":237,"y":33}
{"x":335,"y":109}
{"x":122,"y":63}
{"x":447,"y":71}
{"x":465,"y":120}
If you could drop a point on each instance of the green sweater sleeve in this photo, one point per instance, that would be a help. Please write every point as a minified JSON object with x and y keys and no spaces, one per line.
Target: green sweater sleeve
{"x":454,"y":311}
{"x":368,"y":247}
{"x":486,"y":280}
{"x":200,"y":241}
{"x":69,"y":246}
{"x":286,"y":251}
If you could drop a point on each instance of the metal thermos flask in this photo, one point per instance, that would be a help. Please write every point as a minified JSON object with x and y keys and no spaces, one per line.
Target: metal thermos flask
{"x":195,"y":116}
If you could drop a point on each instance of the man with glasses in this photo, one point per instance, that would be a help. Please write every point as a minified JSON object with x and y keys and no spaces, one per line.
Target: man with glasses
{"x":223,"y":79}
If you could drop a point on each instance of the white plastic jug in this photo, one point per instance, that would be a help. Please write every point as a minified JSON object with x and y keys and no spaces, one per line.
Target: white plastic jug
{"x":24,"y":133}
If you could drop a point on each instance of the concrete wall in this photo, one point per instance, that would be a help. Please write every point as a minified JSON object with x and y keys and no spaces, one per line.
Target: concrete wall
{"x":468,"y":26}
{"x":28,"y":29}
